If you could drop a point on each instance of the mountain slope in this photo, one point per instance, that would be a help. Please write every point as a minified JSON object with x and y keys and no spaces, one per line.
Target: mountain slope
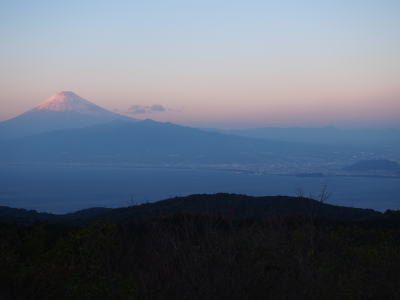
{"x":62,"y":110}
{"x":147,"y":142}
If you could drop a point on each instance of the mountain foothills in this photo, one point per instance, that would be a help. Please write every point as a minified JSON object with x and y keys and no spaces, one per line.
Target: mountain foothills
{"x":146,"y":142}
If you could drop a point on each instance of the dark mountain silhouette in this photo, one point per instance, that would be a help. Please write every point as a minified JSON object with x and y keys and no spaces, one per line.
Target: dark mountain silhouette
{"x":21,"y":215}
{"x":242,"y":206}
{"x":229,"y":205}
{"x":62,"y":110}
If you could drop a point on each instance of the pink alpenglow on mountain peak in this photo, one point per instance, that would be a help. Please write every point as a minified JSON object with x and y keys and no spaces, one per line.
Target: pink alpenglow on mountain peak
{"x":67,"y":101}
{"x":63,"y":110}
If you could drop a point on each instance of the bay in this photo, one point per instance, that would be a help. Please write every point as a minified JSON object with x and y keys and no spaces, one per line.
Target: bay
{"x":61,"y":189}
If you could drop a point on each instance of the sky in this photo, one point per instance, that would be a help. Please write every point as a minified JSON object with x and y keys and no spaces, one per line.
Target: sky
{"x":209,"y":63}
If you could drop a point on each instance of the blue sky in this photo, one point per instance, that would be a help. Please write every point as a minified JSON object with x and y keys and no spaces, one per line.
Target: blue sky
{"x":213,"y":63}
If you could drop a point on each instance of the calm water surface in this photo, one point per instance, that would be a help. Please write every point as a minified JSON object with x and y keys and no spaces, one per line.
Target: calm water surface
{"x":65,"y":189}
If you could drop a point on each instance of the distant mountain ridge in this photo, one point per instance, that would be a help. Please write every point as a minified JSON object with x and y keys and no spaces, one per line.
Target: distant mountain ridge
{"x":324,"y":135}
{"x":385,"y":140}
{"x":63,"y":110}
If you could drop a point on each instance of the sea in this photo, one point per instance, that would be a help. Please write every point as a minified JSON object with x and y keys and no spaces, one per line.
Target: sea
{"x":63,"y":189}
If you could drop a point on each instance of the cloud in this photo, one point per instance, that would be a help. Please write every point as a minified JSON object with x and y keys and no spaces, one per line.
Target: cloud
{"x":142,"y":109}
{"x":157,"y":108}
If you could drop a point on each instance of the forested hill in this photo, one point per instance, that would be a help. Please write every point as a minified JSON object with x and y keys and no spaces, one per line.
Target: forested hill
{"x":230,"y":205}
{"x":186,"y":248}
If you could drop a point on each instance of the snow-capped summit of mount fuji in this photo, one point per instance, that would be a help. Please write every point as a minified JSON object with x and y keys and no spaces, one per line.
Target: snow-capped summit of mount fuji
{"x":67,"y":101}
{"x":61,"y":111}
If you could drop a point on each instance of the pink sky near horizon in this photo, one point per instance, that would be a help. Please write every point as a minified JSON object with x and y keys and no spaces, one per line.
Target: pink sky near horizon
{"x":255,"y":113}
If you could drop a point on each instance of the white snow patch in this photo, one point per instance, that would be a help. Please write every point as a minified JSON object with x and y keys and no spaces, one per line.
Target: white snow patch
{"x":66,"y":101}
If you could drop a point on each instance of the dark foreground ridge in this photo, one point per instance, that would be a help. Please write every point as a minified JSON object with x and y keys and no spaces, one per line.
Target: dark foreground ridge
{"x":221,"y":246}
{"x":228,"y":205}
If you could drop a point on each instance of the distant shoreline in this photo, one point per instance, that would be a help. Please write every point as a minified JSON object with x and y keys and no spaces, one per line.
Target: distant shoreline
{"x":194,"y":168}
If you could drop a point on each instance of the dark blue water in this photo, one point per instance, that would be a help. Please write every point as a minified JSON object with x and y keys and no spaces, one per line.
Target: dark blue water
{"x":65,"y":189}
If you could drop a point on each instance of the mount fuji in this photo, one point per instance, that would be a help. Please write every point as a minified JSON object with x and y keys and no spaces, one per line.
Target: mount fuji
{"x":69,"y":129}
{"x":63,"y":110}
